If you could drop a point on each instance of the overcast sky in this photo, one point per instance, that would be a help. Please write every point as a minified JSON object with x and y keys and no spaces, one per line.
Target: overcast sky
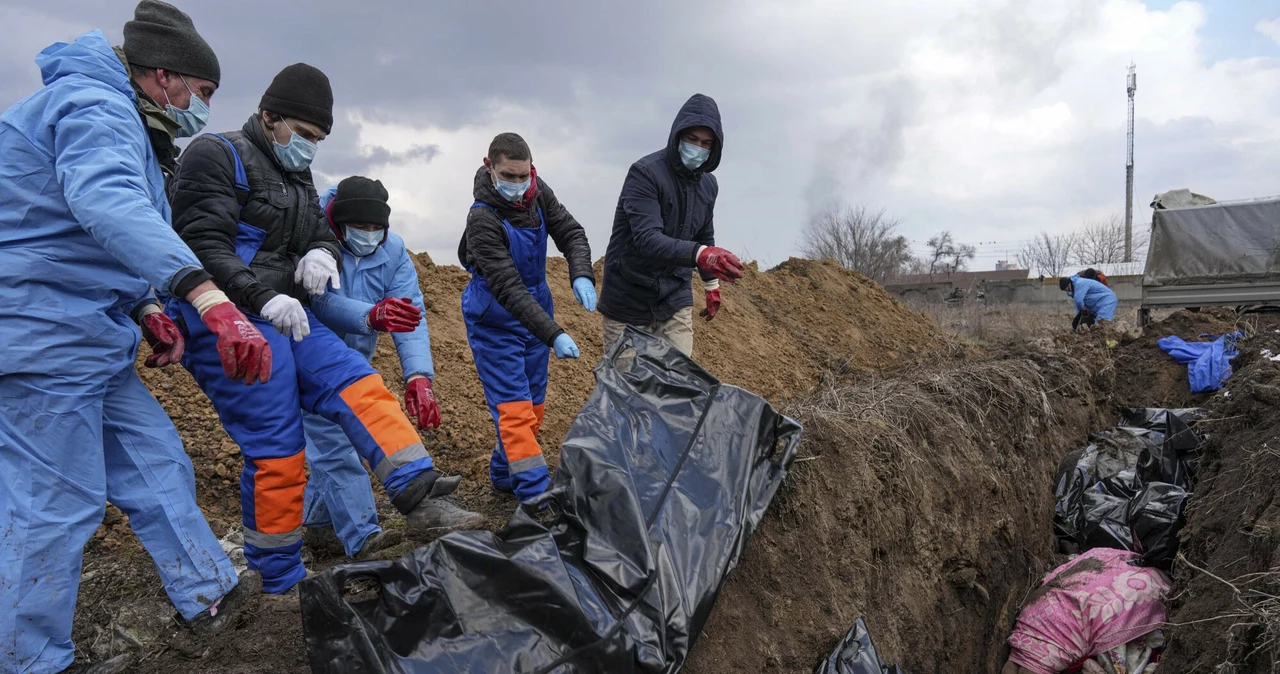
{"x":995,"y":119}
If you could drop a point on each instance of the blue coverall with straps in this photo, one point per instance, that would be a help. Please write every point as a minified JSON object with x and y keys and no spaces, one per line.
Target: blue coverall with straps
{"x":512,"y":363}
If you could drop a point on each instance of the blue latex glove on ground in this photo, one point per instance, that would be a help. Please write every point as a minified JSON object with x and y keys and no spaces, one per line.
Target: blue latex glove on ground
{"x":564,"y":345}
{"x":585,"y":291}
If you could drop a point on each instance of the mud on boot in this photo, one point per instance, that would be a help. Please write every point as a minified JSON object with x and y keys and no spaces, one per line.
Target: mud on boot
{"x":425,"y":505}
{"x":380,"y":541}
{"x":223,"y":611}
{"x":323,"y":542}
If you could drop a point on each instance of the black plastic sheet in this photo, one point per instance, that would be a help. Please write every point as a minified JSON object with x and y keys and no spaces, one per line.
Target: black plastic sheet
{"x":663,"y":478}
{"x":1157,"y":515}
{"x":1127,"y":489}
{"x":855,"y":654}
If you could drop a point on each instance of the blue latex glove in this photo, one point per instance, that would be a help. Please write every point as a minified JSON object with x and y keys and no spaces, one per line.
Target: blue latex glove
{"x":564,"y":345}
{"x":585,"y":291}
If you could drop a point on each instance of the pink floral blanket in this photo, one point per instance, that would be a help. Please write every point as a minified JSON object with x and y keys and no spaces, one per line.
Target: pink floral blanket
{"x":1095,"y":602}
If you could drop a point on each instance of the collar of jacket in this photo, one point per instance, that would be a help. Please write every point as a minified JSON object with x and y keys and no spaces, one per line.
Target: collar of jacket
{"x":152,"y":114}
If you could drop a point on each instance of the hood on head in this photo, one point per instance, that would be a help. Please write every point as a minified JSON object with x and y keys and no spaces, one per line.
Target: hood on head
{"x":90,"y":55}
{"x":699,"y":110}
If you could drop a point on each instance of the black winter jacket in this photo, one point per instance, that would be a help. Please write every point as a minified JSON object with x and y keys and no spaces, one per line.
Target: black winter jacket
{"x":485,"y":248}
{"x":664,"y":215}
{"x":282,"y":203}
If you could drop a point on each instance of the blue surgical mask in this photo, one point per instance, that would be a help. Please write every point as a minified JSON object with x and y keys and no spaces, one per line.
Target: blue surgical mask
{"x":363,"y":243}
{"x":191,"y":120}
{"x":693,"y":156}
{"x":511,"y":191}
{"x":297,"y":155}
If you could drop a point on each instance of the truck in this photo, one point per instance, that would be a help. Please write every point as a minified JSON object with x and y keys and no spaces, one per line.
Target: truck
{"x":1205,"y":253}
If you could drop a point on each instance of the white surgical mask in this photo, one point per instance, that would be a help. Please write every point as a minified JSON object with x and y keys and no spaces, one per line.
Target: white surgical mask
{"x":193,"y":118}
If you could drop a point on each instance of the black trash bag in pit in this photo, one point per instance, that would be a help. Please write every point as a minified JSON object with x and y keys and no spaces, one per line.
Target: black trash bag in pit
{"x":1156,"y":515}
{"x":855,"y":654}
{"x":1095,"y":487}
{"x":663,"y":477}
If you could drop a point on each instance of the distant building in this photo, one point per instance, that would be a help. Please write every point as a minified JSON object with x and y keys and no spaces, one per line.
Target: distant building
{"x":1005,"y":265}
{"x":964,"y":279}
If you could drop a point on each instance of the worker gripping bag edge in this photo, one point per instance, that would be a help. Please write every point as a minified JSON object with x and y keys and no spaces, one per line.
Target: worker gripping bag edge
{"x":663,"y":478}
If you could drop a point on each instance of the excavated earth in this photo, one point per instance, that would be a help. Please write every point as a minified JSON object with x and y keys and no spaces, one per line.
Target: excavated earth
{"x":921,"y":498}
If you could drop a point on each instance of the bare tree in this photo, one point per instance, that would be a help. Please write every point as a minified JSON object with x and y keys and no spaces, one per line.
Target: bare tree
{"x":1049,"y":255}
{"x":947,"y":256}
{"x":1101,"y":241}
{"x":915,"y":267}
{"x":858,"y":239}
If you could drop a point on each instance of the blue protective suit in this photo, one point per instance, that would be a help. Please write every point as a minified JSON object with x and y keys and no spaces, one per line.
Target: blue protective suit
{"x":1208,"y":363}
{"x":84,"y":235}
{"x":1094,"y":297}
{"x":339,"y":493}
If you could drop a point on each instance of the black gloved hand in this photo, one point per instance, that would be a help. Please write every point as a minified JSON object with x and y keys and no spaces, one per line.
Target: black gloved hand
{"x":1075,"y":322}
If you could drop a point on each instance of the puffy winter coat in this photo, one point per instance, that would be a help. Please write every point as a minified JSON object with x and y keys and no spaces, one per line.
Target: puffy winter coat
{"x":252,"y":251}
{"x":664,"y":215}
{"x":84,"y":225}
{"x":485,"y":248}
{"x":388,"y":272}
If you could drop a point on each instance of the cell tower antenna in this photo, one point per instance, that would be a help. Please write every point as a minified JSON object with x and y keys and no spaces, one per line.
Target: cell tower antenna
{"x":1132,"y":86}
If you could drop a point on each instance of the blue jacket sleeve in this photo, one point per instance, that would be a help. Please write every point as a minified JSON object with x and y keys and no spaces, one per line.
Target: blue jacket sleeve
{"x":99,"y":158}
{"x":641,"y":203}
{"x":342,"y":314}
{"x":414,"y":347}
{"x":1081,"y":287}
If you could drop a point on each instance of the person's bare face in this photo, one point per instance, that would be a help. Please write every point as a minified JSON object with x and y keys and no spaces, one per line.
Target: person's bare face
{"x":509,"y":170}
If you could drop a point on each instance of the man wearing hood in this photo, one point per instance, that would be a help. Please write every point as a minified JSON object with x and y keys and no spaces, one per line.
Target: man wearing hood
{"x":507,"y":306}
{"x":662,"y":230}
{"x":379,"y":294}
{"x":84,"y":238}
{"x":245,"y":203}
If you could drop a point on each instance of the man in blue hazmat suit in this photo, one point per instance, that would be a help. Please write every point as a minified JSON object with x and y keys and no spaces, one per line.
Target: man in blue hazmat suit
{"x":663,"y":229}
{"x":84,"y":237}
{"x":1094,"y":301}
{"x":379,"y":293}
{"x":507,"y":305}
{"x":246,"y":204}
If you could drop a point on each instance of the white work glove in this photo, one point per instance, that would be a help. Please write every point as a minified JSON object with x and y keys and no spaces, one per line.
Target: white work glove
{"x":316,"y":270}
{"x":288,"y":316}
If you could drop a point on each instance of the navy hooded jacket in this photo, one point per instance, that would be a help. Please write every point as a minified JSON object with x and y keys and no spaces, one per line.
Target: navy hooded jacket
{"x":664,"y":216}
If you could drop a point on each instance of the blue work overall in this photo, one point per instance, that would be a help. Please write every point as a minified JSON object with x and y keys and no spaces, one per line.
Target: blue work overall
{"x":512,"y":364}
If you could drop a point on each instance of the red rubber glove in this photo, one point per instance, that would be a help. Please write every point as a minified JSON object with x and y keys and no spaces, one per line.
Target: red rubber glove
{"x":421,"y":401}
{"x":166,"y":341}
{"x":245,"y":353}
{"x":395,"y":315}
{"x":713,"y":304}
{"x":720,"y":263}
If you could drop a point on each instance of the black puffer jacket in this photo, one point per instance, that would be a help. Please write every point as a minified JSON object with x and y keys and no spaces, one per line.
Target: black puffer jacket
{"x":281,"y":203}
{"x":664,"y":215}
{"x":485,"y":248}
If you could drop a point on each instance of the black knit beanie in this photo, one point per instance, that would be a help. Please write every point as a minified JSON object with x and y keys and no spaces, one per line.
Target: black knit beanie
{"x":162,"y":36}
{"x":302,"y":92}
{"x":361,"y":201}
{"x":1063,"y":283}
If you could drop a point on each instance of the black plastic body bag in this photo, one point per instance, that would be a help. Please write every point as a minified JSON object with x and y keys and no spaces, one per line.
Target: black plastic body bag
{"x":855,"y":654}
{"x":663,"y":477}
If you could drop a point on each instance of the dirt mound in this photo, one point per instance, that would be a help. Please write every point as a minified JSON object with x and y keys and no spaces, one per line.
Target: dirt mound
{"x":1150,"y":378}
{"x":777,"y":334}
{"x":922,"y":501}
